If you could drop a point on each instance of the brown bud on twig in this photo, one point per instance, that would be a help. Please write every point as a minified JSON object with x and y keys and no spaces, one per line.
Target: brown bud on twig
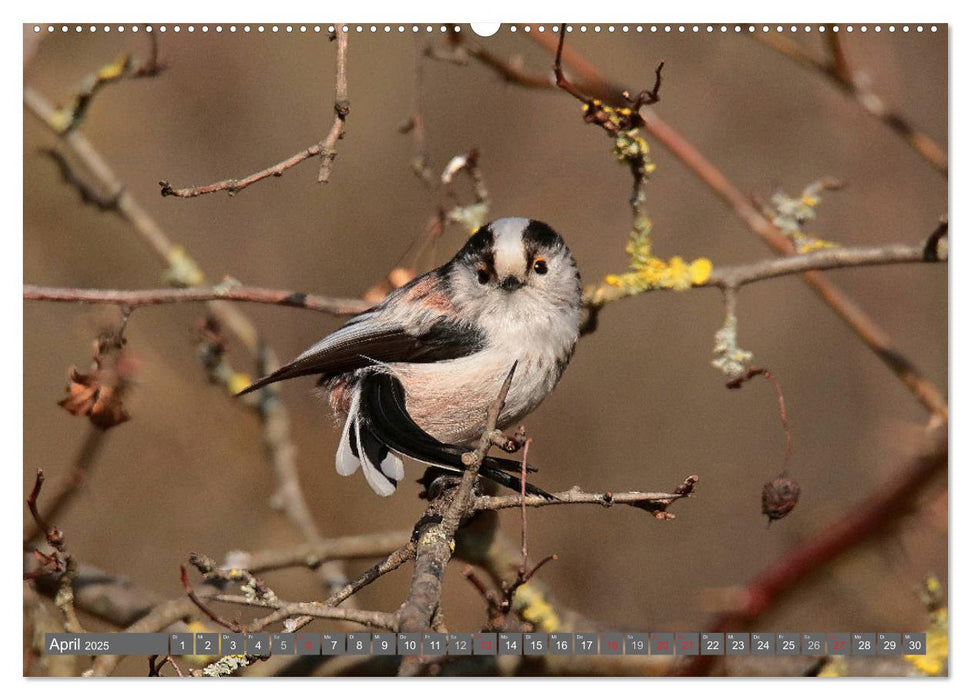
{"x":779,"y":497}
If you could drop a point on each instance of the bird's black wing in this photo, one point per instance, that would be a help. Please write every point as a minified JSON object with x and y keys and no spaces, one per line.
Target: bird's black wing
{"x":384,"y":413}
{"x":412,"y":325}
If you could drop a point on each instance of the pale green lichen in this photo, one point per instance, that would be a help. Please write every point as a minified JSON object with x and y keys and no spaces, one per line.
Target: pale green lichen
{"x":792,"y":215}
{"x":730,"y":359}
{"x":646,"y":271}
{"x":226,"y":666}
{"x":182,"y":271}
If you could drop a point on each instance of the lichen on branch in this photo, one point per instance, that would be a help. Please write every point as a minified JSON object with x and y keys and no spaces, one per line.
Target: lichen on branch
{"x":791,"y":214}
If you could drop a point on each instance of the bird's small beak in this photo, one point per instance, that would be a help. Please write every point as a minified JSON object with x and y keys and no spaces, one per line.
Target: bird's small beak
{"x":511,"y":283}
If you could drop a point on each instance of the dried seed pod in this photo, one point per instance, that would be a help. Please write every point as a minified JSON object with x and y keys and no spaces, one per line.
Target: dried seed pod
{"x":779,"y":497}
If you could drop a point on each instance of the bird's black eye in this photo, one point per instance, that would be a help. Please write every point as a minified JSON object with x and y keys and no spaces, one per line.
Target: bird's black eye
{"x":482,"y":275}
{"x":540,"y":267}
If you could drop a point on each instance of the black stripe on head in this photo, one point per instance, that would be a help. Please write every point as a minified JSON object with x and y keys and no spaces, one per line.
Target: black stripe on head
{"x":538,"y":236}
{"x":478,"y":247}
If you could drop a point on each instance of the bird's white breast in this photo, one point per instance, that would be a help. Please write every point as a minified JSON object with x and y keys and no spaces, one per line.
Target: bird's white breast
{"x":449,"y":399}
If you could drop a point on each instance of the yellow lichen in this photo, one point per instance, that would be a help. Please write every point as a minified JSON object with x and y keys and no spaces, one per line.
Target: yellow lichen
{"x":700,"y":271}
{"x":834,"y":668}
{"x":238,"y":381}
{"x":115,"y":69}
{"x":646,"y":271}
{"x":534,"y":608}
{"x":934,"y":661}
{"x":67,"y":118}
{"x":197,"y":627}
{"x":808,"y":244}
{"x":655,"y":273}
{"x":792,"y":215}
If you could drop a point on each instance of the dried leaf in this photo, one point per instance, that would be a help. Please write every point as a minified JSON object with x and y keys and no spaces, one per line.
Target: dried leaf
{"x":89,"y":396}
{"x":98,"y":393}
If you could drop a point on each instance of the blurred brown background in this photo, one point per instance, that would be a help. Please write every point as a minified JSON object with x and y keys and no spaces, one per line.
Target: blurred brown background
{"x":639,"y":407}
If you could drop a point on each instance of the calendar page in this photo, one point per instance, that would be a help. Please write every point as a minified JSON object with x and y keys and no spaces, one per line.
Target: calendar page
{"x":438,"y":349}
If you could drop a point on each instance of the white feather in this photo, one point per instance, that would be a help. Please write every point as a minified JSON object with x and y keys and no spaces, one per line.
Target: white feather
{"x":347,"y":463}
{"x":392,"y":466}
{"x":375,"y":479}
{"x":509,"y":254}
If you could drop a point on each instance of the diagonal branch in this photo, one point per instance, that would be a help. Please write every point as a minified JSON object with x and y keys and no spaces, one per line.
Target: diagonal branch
{"x":885,"y":506}
{"x":435,"y":540}
{"x":876,"y":338}
{"x":234,"y":185}
{"x":841,"y":74}
{"x":182,"y":271}
{"x":369,"y":618}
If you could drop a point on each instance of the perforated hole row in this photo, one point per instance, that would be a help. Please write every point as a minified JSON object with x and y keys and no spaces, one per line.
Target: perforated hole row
{"x":513,"y":28}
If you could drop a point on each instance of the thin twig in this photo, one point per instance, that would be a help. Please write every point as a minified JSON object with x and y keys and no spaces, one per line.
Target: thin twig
{"x":281,"y":454}
{"x":342,"y":107}
{"x":783,"y":414}
{"x":311,"y":556}
{"x":403,"y":554}
{"x":70,"y":484}
{"x":234,"y":185}
{"x":32,"y":504}
{"x":153,"y":297}
{"x":326,"y":148}
{"x":103,"y":595}
{"x":416,"y":122}
{"x":875,"y":337}
{"x":211,"y":614}
{"x":369,"y":618}
{"x":655,"y":502}
{"x":160,"y":617}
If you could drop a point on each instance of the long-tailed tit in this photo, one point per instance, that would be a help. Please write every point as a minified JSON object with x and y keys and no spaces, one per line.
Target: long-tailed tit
{"x":415,"y":375}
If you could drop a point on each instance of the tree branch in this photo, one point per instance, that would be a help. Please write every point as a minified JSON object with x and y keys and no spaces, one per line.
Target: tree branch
{"x":182,"y":271}
{"x":326,"y":149}
{"x":369,"y":618}
{"x":312,"y":556}
{"x":838,"y":70}
{"x":435,"y":540}
{"x":153,"y":297}
{"x":887,"y":504}
{"x":234,"y":185}
{"x":846,"y":308}
{"x":656,"y":503}
{"x":342,"y":107}
{"x":722,"y":277}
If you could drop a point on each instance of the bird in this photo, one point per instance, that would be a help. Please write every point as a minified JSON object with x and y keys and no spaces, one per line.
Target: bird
{"x":415,"y":375}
